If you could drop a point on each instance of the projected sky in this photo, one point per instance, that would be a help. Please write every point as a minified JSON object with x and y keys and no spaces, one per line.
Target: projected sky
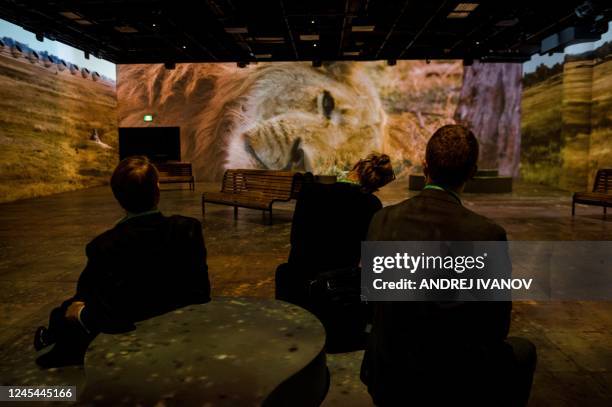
{"x":58,"y":49}
{"x":550,"y":60}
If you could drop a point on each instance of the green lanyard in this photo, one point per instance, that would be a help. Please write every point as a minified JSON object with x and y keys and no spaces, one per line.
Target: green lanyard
{"x":439,"y":188}
{"x":137,"y":215}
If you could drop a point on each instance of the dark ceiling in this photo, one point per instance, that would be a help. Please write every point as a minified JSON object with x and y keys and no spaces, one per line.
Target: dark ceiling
{"x":150,"y":31}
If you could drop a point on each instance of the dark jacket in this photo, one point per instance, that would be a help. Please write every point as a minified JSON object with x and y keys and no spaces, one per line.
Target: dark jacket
{"x":421,"y":350}
{"x":329,"y":223}
{"x":141,"y":268}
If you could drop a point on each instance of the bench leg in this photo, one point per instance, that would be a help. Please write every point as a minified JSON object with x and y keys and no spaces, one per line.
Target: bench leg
{"x":573,"y":207}
{"x":605,"y":212}
{"x":235,"y":212}
{"x":270,"y":221}
{"x":203,"y":205}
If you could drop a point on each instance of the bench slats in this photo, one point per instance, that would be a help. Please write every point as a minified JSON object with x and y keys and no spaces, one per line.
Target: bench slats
{"x":256,"y":189}
{"x":601,"y":195}
{"x":176,"y":172}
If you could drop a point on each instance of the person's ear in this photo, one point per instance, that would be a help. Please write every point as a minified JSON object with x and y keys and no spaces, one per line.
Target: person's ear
{"x":425,"y":169}
{"x":157,"y":194}
{"x":473,"y":172}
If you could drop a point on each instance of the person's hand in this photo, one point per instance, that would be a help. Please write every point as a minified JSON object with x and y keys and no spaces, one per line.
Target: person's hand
{"x":72,"y":313}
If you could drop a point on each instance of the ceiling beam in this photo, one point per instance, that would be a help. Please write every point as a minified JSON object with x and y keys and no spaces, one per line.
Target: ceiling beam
{"x":392,"y":29}
{"x":424,"y":28}
{"x":288,"y":26}
{"x":344,"y":18}
{"x":191,"y":39}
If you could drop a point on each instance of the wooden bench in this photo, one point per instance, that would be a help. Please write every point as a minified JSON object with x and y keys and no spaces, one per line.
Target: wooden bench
{"x":601,"y":195}
{"x":256,"y":189}
{"x":176,"y":173}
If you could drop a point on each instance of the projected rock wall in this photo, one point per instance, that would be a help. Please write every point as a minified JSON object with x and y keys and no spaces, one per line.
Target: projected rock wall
{"x":295,"y":116}
{"x":489,"y":104}
{"x":48,"y":111}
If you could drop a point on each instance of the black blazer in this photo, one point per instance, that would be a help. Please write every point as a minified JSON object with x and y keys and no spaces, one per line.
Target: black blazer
{"x":418,"y":345}
{"x":141,"y":268}
{"x":329,"y":223}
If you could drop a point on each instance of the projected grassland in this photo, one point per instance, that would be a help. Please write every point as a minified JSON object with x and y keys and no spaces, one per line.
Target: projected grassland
{"x":541,"y":130}
{"x":46,"y":118}
{"x":601,"y":117}
{"x":567,"y":121}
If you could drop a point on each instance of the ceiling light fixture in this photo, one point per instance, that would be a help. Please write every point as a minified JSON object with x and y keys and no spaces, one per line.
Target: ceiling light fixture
{"x":309,"y":37}
{"x":466,"y":7}
{"x":507,"y":23}
{"x":236,"y":30}
{"x":460,"y":14}
{"x":270,"y":40}
{"x":70,"y":14}
{"x":126,"y":29}
{"x":362,"y":28}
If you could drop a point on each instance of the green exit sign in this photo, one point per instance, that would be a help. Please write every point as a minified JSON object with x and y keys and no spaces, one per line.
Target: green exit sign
{"x":148,"y":117}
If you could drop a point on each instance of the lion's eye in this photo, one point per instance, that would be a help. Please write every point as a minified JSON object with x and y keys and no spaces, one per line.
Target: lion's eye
{"x":327,"y":104}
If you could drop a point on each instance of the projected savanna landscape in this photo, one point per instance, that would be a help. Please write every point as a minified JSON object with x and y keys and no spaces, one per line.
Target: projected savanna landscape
{"x":48,"y":111}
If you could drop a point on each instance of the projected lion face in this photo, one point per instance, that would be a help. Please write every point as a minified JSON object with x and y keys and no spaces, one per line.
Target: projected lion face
{"x":274,"y":116}
{"x":298,"y":117}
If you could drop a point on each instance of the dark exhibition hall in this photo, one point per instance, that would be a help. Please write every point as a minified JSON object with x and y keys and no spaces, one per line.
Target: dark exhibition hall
{"x":306,"y":203}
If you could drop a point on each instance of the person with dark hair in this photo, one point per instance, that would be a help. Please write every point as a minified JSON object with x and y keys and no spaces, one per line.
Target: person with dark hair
{"x":329,"y":223}
{"x":372,"y":173}
{"x":146,"y":265}
{"x":331,"y":220}
{"x":444,"y":353}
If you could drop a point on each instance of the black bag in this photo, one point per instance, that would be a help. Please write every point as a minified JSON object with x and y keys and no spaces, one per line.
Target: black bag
{"x":335,"y":298}
{"x":338,"y":288}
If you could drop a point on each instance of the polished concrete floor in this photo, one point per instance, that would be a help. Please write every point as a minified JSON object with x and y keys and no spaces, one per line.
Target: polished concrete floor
{"x":42,"y":253}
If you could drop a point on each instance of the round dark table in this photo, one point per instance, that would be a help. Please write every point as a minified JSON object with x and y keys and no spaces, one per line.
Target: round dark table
{"x":229,"y":352}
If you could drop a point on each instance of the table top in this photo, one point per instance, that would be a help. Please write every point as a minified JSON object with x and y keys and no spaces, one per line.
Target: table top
{"x":231,"y":351}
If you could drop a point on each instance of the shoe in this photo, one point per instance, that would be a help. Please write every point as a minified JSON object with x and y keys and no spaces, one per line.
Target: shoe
{"x":42,"y":338}
{"x":56,"y":357}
